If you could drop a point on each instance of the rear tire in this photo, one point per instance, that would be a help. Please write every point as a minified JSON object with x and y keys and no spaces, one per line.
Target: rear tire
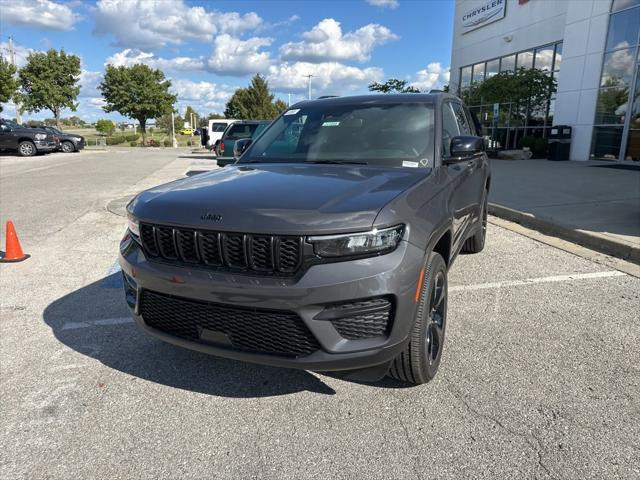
{"x":419,"y":361}
{"x":27,"y":148}
{"x":475,"y":243}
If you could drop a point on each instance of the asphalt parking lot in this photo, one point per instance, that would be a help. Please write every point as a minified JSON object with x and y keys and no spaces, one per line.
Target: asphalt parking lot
{"x":540,"y":375}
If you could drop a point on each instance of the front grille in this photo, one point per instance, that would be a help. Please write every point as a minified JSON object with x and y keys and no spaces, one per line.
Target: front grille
{"x":361,"y":319}
{"x":234,"y":251}
{"x":251,"y":330}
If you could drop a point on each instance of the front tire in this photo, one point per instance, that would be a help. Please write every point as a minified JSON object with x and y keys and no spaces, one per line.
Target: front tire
{"x":418,"y":363}
{"x":27,"y":149}
{"x":67,"y":147}
{"x":475,"y":243}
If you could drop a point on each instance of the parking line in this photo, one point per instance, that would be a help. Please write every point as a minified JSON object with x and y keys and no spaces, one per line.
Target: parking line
{"x":531,"y":281}
{"x":97,"y":323}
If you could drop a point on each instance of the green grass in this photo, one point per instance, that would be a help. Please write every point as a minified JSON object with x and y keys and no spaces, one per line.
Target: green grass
{"x":92,"y":137}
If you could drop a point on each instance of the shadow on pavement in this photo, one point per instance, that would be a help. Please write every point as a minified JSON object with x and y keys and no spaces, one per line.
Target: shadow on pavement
{"x":94,"y":321}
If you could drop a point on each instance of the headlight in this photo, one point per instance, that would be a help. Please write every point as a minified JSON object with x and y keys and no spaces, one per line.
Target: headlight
{"x":76,"y":139}
{"x":41,"y":136}
{"x":373,"y":242}
{"x":133,"y":225}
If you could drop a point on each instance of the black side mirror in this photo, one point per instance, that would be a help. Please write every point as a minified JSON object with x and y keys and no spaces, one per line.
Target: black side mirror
{"x":240,"y":146}
{"x":464,"y":147}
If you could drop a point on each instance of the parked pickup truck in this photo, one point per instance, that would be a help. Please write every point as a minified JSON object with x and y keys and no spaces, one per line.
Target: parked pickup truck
{"x":26,"y":141}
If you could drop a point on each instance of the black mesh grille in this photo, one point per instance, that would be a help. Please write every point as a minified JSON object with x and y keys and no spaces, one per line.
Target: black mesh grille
{"x":166,"y":242}
{"x":290,"y":254}
{"x":362,"y":319}
{"x":258,"y":253}
{"x":148,"y":239}
{"x":262,"y":253}
{"x":252,"y":330}
{"x":234,"y":250}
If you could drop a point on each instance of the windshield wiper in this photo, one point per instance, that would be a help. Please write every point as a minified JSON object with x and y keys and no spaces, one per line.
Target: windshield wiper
{"x":336,"y":162}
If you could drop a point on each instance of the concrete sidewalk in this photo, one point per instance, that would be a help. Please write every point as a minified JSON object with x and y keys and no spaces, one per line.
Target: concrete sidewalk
{"x":596,"y":204}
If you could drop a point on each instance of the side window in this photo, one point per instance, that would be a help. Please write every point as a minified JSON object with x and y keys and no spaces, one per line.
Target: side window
{"x":462,"y":119}
{"x":449,"y":128}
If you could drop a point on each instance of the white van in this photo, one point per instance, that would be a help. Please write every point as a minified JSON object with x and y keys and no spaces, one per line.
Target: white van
{"x":216,"y":129}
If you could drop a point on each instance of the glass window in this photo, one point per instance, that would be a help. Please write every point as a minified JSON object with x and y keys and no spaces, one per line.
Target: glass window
{"x":612,"y":106}
{"x":525,"y":60}
{"x":218,"y":127}
{"x":544,"y":58}
{"x":377,"y":134}
{"x":465,"y":76}
{"x":463,"y":123}
{"x":617,"y":70}
{"x":478,"y":73}
{"x":493,"y":67}
{"x":622,"y":4}
{"x":240,"y":130}
{"x":449,"y":128}
{"x":623,"y":29}
{"x":508,"y":63}
{"x":558,"y":59}
{"x":606,"y":142}
{"x":635,"y":106}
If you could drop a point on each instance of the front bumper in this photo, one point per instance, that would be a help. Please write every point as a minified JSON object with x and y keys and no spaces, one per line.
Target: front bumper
{"x":394,"y":275}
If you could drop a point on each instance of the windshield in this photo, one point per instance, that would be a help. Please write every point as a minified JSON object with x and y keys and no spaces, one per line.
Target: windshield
{"x":393,"y":135}
{"x":11,"y":124}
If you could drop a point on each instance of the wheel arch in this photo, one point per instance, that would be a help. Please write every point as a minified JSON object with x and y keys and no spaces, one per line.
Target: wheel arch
{"x":441,"y":242}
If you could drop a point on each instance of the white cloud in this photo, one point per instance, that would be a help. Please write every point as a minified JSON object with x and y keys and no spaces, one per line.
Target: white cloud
{"x":384,"y":3}
{"x":326,"y":42}
{"x":232,"y":56}
{"x":435,"y":76}
{"x":131,"y":56}
{"x":204,"y":97}
{"x":149,"y":24}
{"x":329,"y":78}
{"x":38,"y":13}
{"x":96,"y":102}
{"x":89,"y":83}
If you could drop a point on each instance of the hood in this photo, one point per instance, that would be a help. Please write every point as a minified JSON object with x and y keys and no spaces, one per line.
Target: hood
{"x":277,"y":198}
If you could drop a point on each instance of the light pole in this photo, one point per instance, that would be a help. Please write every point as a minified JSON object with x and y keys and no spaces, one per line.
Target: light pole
{"x":173,"y":131}
{"x":309,"y":79}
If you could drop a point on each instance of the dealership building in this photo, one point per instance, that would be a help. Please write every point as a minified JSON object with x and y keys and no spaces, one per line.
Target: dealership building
{"x":589,"y":46}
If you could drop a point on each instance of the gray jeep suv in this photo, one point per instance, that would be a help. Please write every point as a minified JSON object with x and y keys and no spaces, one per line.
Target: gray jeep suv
{"x":325,"y":247}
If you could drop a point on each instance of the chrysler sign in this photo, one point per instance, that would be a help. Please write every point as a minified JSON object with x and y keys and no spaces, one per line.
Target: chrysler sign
{"x":483,"y":13}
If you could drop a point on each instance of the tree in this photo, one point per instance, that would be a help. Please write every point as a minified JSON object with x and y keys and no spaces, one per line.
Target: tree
{"x":104,"y":126}
{"x":254,"y":102}
{"x":137,"y":92}
{"x":8,"y":83}
{"x":393,"y":85}
{"x":187,"y":116}
{"x":164,"y":122}
{"x":526,"y":89}
{"x":50,"y":81}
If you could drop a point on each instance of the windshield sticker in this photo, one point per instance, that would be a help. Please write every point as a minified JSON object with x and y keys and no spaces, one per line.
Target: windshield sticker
{"x":292,"y":112}
{"x":330,"y":124}
{"x":406,"y":163}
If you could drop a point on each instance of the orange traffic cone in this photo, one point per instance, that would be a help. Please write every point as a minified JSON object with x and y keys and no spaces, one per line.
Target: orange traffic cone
{"x":13,"y":251}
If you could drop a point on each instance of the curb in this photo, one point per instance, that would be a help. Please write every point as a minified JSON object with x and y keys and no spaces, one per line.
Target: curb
{"x":595,"y":242}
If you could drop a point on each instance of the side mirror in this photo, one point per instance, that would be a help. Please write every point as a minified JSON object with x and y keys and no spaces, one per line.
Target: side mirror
{"x":240,"y":146}
{"x":464,"y":147}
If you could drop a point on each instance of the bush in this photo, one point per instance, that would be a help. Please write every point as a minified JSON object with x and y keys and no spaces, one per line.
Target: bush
{"x":105,"y":126}
{"x":152,"y":143}
{"x":167,"y":142}
{"x":133,"y":144}
{"x":132,"y":138}
{"x":115,"y":140}
{"x":540,"y":147}
{"x":526,"y":142}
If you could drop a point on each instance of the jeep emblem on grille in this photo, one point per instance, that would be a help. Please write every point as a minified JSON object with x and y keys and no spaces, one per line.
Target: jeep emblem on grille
{"x":212,"y":217}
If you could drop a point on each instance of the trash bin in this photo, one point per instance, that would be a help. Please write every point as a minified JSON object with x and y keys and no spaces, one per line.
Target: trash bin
{"x":560,"y":142}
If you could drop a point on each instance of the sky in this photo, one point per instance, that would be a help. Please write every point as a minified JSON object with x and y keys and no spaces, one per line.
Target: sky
{"x":208,"y":48}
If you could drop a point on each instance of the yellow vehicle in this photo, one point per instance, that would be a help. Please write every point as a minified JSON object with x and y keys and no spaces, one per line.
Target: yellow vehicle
{"x":187,"y":131}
